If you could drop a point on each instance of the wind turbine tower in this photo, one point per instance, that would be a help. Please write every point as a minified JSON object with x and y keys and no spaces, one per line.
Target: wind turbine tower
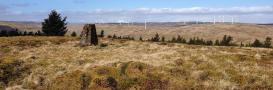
{"x":232,"y":20}
{"x":214,"y":20}
{"x":145,"y":24}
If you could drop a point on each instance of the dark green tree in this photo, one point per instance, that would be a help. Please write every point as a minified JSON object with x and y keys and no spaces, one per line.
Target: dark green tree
{"x":257,"y":43}
{"x":173,"y":40}
{"x":162,"y":39}
{"x":226,"y":41}
{"x":3,"y":33}
{"x":54,"y":25}
{"x":102,"y":33}
{"x":242,"y":45}
{"x":25,"y":33}
{"x":217,"y":43}
{"x":140,"y":38}
{"x":74,"y":34}
{"x":209,"y":42}
{"x":179,"y":39}
{"x":30,"y":33}
{"x":156,"y":38}
{"x":114,"y":36}
{"x":267,"y":42}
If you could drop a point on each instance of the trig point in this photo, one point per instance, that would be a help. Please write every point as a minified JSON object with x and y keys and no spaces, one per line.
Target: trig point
{"x":89,"y":35}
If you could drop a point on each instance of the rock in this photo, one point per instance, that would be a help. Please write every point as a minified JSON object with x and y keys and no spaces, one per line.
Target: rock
{"x":89,"y":35}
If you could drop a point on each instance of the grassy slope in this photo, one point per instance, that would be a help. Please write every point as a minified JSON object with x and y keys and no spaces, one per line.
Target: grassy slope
{"x":59,"y":63}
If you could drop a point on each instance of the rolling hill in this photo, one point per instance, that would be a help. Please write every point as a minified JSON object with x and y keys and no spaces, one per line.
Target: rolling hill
{"x":241,"y":32}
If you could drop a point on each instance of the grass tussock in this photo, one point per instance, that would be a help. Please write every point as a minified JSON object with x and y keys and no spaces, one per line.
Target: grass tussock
{"x":130,"y":65}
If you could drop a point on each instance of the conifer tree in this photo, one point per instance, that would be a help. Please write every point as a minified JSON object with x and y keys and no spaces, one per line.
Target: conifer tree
{"x":54,"y":25}
{"x":114,"y":36}
{"x":3,"y":33}
{"x":74,"y":34}
{"x":140,"y":38}
{"x":242,"y":45}
{"x":156,"y":38}
{"x":30,"y":33}
{"x":102,"y":33}
{"x":217,"y":43}
{"x":162,"y":39}
{"x":267,"y":42}
{"x":173,"y":40}
{"x":179,"y":39}
{"x":257,"y":43}
{"x":25,"y":33}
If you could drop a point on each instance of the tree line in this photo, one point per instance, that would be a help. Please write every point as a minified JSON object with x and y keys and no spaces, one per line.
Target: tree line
{"x":9,"y":33}
{"x":227,"y":40}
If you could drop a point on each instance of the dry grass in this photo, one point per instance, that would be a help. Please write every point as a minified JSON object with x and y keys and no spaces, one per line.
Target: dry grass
{"x":133,"y":65}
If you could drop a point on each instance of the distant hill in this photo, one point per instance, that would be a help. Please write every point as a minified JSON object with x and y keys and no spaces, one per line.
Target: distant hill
{"x":241,"y":32}
{"x":8,"y":28}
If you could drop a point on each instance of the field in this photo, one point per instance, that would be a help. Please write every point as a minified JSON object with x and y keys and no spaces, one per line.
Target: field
{"x":59,"y":63}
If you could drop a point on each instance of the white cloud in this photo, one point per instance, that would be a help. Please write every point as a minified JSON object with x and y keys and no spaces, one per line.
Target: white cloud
{"x":257,"y":14}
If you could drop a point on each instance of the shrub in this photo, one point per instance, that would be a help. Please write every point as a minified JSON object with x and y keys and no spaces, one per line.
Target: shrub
{"x":226,"y":41}
{"x":102,"y":33}
{"x":257,"y":43}
{"x":140,"y":38}
{"x":156,"y":38}
{"x":267,"y":42}
{"x":74,"y":34}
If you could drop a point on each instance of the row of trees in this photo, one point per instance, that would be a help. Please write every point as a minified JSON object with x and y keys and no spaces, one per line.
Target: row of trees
{"x":225,"y":41}
{"x":5,"y":33}
{"x":121,"y":37}
{"x":258,"y":43}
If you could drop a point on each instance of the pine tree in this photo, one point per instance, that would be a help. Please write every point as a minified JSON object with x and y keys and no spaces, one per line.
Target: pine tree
{"x":109,"y":36}
{"x":102,"y":33}
{"x":179,"y":39}
{"x":74,"y":34}
{"x":257,"y":43}
{"x":114,"y":36}
{"x":30,"y":33}
{"x":242,"y":45}
{"x":209,"y":42}
{"x":267,"y":42}
{"x":226,"y":41}
{"x":39,"y":33}
{"x":162,"y":39}
{"x":217,"y":43}
{"x":140,"y":38}
{"x":173,"y":40}
{"x":3,"y":33}
{"x":54,"y":25}
{"x":184,"y":40}
{"x":25,"y":33}
{"x":156,"y":38}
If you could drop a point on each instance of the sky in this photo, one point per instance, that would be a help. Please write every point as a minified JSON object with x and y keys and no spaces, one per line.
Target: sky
{"x":83,"y":11}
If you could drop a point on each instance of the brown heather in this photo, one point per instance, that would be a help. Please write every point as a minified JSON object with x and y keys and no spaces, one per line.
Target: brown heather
{"x":59,"y":63}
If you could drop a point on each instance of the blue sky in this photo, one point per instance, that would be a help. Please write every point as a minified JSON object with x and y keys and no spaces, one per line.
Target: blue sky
{"x":252,"y":11}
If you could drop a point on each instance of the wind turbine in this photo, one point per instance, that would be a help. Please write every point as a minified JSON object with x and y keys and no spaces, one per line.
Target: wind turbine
{"x":214,"y":20}
{"x":232,"y":20}
{"x":145,"y":22}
